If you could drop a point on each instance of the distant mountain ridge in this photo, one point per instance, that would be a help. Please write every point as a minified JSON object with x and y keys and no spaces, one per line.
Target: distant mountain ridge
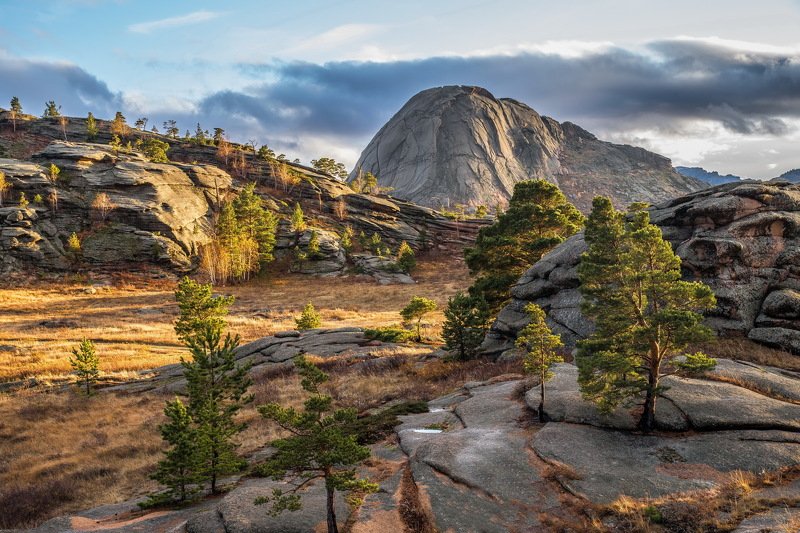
{"x":461,"y":145}
{"x":792,"y":176}
{"x":710,"y":177}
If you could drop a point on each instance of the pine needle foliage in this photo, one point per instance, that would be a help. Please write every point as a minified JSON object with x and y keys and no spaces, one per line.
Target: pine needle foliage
{"x":322,"y":445}
{"x":86,"y":364}
{"x":538,"y":218}
{"x":540,"y":345}
{"x":466,"y":321}
{"x":644,"y":314}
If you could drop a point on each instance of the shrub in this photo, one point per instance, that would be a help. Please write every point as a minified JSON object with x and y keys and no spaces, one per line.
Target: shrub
{"x":389,"y":334}
{"x":309,"y":318}
{"x":405,"y":258}
{"x":417,"y":308}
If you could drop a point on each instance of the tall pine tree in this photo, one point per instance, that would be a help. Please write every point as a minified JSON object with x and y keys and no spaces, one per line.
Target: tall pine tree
{"x":540,"y":345}
{"x":179,"y":470}
{"x":217,"y":389}
{"x":538,"y":218}
{"x":644,"y":314}
{"x":199,"y":309}
{"x":465,"y":325}
{"x":321,"y":445}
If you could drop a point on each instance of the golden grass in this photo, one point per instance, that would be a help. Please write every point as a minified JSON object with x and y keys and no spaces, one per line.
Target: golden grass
{"x":744,"y":349}
{"x":62,"y":452}
{"x":131,"y":319}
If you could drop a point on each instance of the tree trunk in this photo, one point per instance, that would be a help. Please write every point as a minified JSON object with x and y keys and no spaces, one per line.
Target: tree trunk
{"x":332,"y":526}
{"x":648,"y":421}
{"x":214,"y":456}
{"x":541,"y":401}
{"x":88,"y":392}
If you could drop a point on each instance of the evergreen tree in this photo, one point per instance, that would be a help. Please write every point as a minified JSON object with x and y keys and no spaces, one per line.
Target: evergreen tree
{"x":312,"y":249}
{"x":227,"y":225}
{"x":86,"y":364}
{"x":155,"y":150}
{"x":375,"y":243}
{"x":465,"y":325}
{"x":74,"y":250}
{"x":51,"y":110}
{"x":256,"y":222}
{"x":141,"y":123}
{"x":23,"y":201}
{"x":200,"y":310}
{"x":219,"y":135}
{"x":330,"y":166}
{"x":119,"y":126}
{"x":405,"y":258}
{"x":298,"y":222}
{"x":16,"y":111}
{"x":416,"y":309}
{"x":216,"y":387}
{"x":538,"y":218}
{"x":540,"y":345}
{"x":644,"y":314}
{"x":179,"y":470}
{"x":347,"y":239}
{"x":320,"y":446}
{"x":91,"y":127}
{"x":5,"y":185}
{"x":309,"y":318}
{"x":199,"y":135}
{"x":171,"y":129}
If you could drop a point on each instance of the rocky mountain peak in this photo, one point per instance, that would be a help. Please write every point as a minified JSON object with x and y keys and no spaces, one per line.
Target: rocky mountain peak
{"x":460,"y":144}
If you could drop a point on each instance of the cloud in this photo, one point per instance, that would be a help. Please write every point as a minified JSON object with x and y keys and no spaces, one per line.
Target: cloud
{"x":195,"y":17}
{"x":36,"y":82}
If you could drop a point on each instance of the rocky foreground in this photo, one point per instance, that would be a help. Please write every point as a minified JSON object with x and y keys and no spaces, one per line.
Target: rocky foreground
{"x":477,"y":461}
{"x":743,"y":240}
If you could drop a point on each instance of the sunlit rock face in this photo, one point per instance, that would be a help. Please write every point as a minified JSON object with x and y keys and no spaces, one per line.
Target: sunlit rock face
{"x":461,"y":145}
{"x":741,"y":239}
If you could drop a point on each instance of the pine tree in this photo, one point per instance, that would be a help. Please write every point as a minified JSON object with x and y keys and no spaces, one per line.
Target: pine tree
{"x":216,"y":387}
{"x":119,"y":126}
{"x":465,"y":325}
{"x":256,"y":222}
{"x":538,"y":218}
{"x":405,"y":258}
{"x":86,"y":364}
{"x":312,"y":248}
{"x":91,"y":128}
{"x":309,"y":318}
{"x":179,"y":470}
{"x":416,"y":309}
{"x":347,"y":239}
{"x":199,"y":309}
{"x":155,"y":150}
{"x":644,"y":314}
{"x":540,"y":345}
{"x":23,"y":201}
{"x":171,"y":129}
{"x":320,"y":446}
{"x":51,"y":110}
{"x":16,"y":111}
{"x":298,"y":223}
{"x":74,"y":249}
{"x":5,"y":185}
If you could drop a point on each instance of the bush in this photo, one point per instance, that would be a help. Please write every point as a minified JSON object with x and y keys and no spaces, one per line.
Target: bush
{"x":405,"y":258}
{"x":155,"y":150}
{"x":309,"y":318}
{"x":389,"y":334}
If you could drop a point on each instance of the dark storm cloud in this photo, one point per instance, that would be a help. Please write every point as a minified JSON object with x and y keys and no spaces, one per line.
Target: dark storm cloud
{"x":36,"y":82}
{"x":660,"y":86}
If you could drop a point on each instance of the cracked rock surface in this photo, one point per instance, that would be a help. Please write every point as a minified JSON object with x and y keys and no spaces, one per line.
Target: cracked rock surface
{"x":742,"y":239}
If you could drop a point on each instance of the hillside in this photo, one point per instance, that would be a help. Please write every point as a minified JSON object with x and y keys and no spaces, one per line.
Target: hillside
{"x":461,"y":145}
{"x":164,"y":212}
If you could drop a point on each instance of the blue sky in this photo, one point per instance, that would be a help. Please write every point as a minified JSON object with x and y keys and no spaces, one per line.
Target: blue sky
{"x":711,"y":83}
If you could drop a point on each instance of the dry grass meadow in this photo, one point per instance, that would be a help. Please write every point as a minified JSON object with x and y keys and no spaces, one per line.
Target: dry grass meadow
{"x":130,"y":319}
{"x":61,"y":451}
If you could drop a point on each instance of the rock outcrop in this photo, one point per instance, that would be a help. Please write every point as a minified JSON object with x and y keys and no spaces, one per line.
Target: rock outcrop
{"x":162,"y":212}
{"x":476,"y":462}
{"x":459,"y":144}
{"x":742,"y":239}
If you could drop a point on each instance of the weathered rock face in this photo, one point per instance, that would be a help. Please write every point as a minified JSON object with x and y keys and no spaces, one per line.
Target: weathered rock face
{"x":743,"y":240}
{"x":460,"y":144}
{"x":162,"y":212}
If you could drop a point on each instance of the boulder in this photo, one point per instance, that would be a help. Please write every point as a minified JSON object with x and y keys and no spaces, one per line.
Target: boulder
{"x":742,"y":239}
